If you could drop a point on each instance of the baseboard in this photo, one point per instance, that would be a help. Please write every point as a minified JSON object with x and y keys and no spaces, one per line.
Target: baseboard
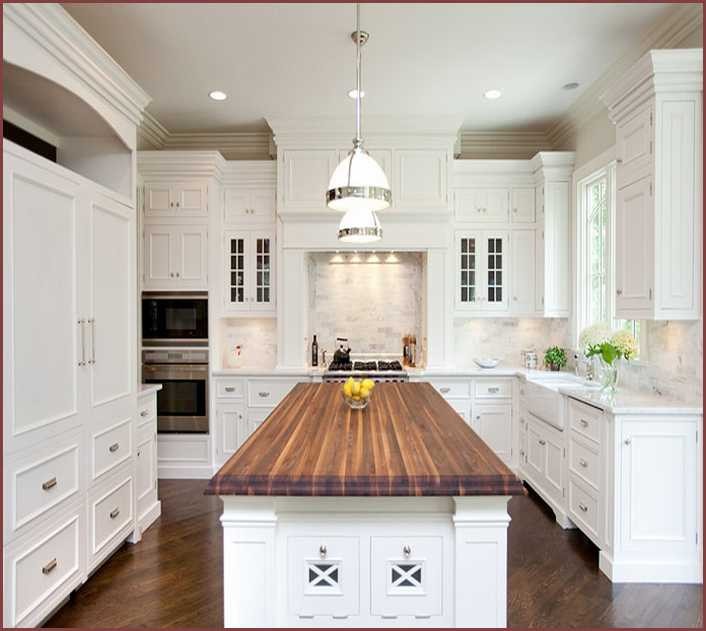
{"x":636,"y":572}
{"x":150,"y":516}
{"x":189,"y":472}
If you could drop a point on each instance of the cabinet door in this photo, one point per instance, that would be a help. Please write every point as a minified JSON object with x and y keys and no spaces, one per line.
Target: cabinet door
{"x":256,"y":417}
{"x":261,"y":291}
{"x":306,"y":174}
{"x":111,"y":325}
{"x":160,"y":251}
{"x":634,"y":250}
{"x":658,"y":476}
{"x":146,"y":473}
{"x":634,"y":148}
{"x":236,"y":206}
{"x":191,"y":260}
{"x":536,"y":456}
{"x":41,"y":297}
{"x":522,"y":254}
{"x":159,"y":201}
{"x":496,"y":271}
{"x":236,"y":271}
{"x":482,"y":205}
{"x":421,"y":179}
{"x":230,"y":420}
{"x":262,"y":205}
{"x":190,"y":199}
{"x":554,"y":469}
{"x":468,"y":256}
{"x":494,"y":426}
{"x":496,"y":208}
{"x":522,"y":205}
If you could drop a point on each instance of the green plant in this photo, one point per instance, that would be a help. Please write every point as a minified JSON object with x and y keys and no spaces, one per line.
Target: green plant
{"x":555,"y":357}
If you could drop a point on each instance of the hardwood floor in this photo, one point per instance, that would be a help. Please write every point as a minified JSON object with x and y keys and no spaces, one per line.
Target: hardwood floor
{"x":173,"y":577}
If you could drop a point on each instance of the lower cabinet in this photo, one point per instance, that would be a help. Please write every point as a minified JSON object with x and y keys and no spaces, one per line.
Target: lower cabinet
{"x":544,"y":462}
{"x":493,"y":423}
{"x":149,"y":508}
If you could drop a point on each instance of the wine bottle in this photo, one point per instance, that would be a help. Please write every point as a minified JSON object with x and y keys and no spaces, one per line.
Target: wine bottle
{"x":314,"y":352}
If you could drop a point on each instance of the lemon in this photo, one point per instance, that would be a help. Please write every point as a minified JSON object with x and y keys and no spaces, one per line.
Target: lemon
{"x":355,"y":388}
{"x":348,"y":388}
{"x":368,"y":383}
{"x":364,"y":391}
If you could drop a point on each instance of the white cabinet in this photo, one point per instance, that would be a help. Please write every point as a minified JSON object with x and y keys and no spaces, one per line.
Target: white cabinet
{"x":304,"y":178}
{"x":659,"y":177}
{"x":185,"y":199}
{"x":522,"y":205}
{"x":230,"y":429}
{"x":482,"y":205}
{"x":146,"y":469}
{"x":175,"y":256}
{"x":493,"y":423}
{"x":544,"y":464}
{"x":249,"y":272}
{"x":482,"y":271}
{"x":421,"y":179}
{"x":249,"y":206}
{"x":522,"y":279}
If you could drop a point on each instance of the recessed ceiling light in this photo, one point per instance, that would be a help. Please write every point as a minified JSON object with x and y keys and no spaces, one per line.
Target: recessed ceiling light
{"x":217,"y":95}
{"x":570,"y":86}
{"x":492,"y":94}
{"x":354,"y":93}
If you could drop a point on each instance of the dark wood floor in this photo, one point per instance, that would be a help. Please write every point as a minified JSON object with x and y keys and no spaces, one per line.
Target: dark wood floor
{"x":173,"y":577}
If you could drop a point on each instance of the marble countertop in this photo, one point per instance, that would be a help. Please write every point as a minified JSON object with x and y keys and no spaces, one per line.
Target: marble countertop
{"x":632,"y":401}
{"x":143,"y":389}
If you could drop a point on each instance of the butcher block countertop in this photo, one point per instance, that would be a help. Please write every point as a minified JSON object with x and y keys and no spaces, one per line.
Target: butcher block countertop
{"x":408,"y":442}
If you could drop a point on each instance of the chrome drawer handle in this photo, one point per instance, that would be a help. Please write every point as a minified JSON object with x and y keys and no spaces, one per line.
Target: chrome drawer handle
{"x":114,"y":513}
{"x":229,"y":389}
{"x":582,"y":462}
{"x":583,"y":507}
{"x":584,"y":422}
{"x":444,"y":390}
{"x":114,"y":447}
{"x":144,"y":413}
{"x":406,"y":550}
{"x":49,"y":484}
{"x":323,"y":551}
{"x":263,"y":394}
{"x":494,"y":390}
{"x":542,"y":442}
{"x":49,"y":567}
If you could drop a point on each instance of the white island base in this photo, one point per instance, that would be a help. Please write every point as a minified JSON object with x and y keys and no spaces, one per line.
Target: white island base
{"x":365,"y":561}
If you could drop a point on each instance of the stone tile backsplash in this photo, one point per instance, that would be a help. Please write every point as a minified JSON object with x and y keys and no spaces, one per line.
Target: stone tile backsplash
{"x":372,"y":304}
{"x":256,"y":336}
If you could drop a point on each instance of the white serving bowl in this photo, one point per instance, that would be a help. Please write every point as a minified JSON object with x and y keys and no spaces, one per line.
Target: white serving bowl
{"x":486,"y":362}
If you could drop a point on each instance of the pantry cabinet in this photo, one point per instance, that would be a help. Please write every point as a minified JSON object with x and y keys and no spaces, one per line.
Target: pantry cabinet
{"x":482,"y":271}
{"x":659,"y":178}
{"x":175,"y":256}
{"x":249,"y":272}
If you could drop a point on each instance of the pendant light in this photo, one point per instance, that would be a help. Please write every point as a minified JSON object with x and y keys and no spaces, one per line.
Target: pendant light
{"x":358,"y":186}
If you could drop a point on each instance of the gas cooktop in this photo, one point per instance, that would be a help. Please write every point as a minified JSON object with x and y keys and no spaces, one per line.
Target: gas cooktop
{"x":368,"y":366}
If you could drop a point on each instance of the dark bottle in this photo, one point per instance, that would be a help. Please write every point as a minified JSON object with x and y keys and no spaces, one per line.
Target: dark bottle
{"x":314,"y":352}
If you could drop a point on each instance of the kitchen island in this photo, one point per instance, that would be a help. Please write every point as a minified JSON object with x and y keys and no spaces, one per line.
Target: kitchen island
{"x":395,"y":515}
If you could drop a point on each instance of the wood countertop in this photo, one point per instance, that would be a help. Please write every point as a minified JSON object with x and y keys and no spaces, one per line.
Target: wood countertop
{"x":408,"y":442}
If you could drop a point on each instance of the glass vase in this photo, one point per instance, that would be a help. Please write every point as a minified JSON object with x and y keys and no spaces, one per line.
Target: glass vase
{"x":609,"y":378}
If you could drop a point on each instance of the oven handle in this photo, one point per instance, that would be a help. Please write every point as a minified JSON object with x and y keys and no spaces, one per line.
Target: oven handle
{"x":168,"y":371}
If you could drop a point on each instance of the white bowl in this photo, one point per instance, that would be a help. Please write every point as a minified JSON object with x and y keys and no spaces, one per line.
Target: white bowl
{"x":487,"y":362}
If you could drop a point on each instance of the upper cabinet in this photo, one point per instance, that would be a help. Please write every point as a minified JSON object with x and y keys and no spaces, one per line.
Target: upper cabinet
{"x":175,"y":257}
{"x":420,"y":179}
{"x":482,"y":271}
{"x":249,"y":272}
{"x":656,"y":108}
{"x":304,"y":178}
{"x":248,"y":205}
{"x":176,"y":200}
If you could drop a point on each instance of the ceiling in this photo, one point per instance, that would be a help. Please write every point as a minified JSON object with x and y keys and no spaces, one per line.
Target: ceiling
{"x":297,"y":60}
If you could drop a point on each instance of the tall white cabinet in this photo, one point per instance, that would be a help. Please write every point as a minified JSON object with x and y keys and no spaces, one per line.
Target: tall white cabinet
{"x":657,"y":109}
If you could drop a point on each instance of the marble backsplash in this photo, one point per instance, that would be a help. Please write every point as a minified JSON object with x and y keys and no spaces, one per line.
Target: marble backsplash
{"x":256,"y":336}
{"x":372,"y":304}
{"x":505,"y":338}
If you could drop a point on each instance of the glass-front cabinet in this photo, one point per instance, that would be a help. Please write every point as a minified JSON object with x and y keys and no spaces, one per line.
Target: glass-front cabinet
{"x":482,"y":271}
{"x":249,"y":272}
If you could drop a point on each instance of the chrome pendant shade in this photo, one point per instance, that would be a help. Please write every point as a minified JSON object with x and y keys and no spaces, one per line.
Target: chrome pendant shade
{"x":358,"y":185}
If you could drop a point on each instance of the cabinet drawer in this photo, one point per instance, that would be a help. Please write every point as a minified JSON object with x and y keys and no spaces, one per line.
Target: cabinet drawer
{"x":230,"y":388}
{"x":492,"y":388}
{"x":267,"y":393}
{"x":585,"y":420}
{"x":583,"y":462}
{"x":583,"y":507}
{"x":406,"y":576}
{"x":146,"y":409}
{"x":110,"y":513}
{"x":323,"y":576}
{"x":452,"y":389}
{"x":42,"y":569}
{"x":43,"y":483}
{"x":111,"y":447}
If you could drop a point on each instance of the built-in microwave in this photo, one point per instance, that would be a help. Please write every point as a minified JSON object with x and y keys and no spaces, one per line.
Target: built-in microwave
{"x":174,"y":317}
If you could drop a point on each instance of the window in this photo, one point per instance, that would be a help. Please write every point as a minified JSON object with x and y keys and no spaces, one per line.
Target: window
{"x":596,"y":253}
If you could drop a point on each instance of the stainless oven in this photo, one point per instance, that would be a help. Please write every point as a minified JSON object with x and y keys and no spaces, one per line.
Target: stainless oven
{"x":182,"y":403}
{"x":174,"y":318}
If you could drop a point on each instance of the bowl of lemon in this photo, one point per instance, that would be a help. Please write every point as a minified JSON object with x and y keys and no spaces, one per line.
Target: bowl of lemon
{"x":357,"y":392}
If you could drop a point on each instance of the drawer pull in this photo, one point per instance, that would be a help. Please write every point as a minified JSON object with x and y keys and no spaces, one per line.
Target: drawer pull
{"x":583,"y":507}
{"x":263,"y":394}
{"x":406,"y":550}
{"x":583,"y":463}
{"x":542,"y":441}
{"x":49,"y":484}
{"x":144,"y":413}
{"x":323,"y":551}
{"x":444,"y":390}
{"x":114,"y":447}
{"x":584,"y":422}
{"x":494,"y":390}
{"x":114,"y":513}
{"x":49,"y":567}
{"x":229,"y":388}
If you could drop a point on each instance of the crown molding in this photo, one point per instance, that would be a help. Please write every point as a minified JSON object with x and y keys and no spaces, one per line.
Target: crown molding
{"x":173,"y":164}
{"x":151,"y":133}
{"x":510,"y":145}
{"x":54,"y":30}
{"x":681,"y":23}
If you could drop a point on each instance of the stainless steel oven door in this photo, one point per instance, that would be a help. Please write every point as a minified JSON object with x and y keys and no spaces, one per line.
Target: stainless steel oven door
{"x":182,"y":403}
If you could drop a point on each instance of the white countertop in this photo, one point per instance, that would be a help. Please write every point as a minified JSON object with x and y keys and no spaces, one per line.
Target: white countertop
{"x":144,"y":389}
{"x":633,"y":402}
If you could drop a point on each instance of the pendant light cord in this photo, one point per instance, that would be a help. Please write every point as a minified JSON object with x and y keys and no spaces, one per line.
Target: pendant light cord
{"x":358,"y":137}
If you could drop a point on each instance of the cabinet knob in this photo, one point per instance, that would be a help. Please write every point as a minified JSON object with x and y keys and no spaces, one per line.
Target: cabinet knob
{"x":114,"y":447}
{"x":628,"y":441}
{"x":406,"y":550}
{"x":144,"y":413}
{"x":478,"y":417}
{"x":514,"y":298}
{"x":514,"y":210}
{"x":583,"y":463}
{"x":171,"y":274}
{"x":323,"y":551}
{"x":177,"y":204}
{"x":177,"y":274}
{"x":619,"y":161}
{"x":584,"y":422}
{"x":114,"y":513}
{"x":619,"y":292}
{"x":583,"y":507}
{"x":542,"y":442}
{"x":171,"y":204}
